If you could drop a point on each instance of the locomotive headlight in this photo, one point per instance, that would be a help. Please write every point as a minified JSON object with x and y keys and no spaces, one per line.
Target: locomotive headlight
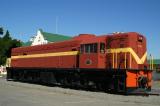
{"x":140,"y":38}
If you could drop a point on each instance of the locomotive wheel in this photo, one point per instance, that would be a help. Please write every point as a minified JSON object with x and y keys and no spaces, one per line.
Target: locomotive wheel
{"x":142,"y":82}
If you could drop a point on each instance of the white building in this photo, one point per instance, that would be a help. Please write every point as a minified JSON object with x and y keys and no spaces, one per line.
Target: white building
{"x":38,"y":39}
{"x":44,"y":37}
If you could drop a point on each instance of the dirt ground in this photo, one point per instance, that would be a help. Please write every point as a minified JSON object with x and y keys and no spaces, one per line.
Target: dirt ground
{"x":23,"y":94}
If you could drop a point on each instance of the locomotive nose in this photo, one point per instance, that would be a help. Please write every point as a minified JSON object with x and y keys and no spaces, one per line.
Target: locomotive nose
{"x":143,"y":82}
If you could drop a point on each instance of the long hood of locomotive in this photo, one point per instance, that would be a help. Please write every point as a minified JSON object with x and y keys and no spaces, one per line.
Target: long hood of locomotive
{"x":53,"y":55}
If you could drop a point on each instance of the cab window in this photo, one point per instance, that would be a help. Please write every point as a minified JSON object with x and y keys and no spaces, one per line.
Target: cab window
{"x":102,"y":48}
{"x":90,"y":48}
{"x":82,"y":49}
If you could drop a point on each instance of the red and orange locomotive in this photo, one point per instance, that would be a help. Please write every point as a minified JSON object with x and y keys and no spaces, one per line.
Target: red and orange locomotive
{"x":116,"y":62}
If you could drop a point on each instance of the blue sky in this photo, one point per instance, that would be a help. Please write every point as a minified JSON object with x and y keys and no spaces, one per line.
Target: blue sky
{"x":24,"y":17}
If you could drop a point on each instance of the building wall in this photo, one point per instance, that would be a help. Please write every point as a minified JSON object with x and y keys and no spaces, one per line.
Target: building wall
{"x":38,"y":39}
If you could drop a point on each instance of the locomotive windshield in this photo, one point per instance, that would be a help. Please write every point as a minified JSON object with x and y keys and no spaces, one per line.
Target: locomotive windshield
{"x":89,"y":48}
{"x":92,"y":48}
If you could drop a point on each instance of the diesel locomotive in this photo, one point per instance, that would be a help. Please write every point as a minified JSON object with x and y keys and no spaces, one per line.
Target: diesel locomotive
{"x":114,"y":62}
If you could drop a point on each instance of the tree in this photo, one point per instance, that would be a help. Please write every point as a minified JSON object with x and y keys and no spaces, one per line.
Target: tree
{"x":6,"y":44}
{"x":7,"y":36}
{"x":1,"y":31}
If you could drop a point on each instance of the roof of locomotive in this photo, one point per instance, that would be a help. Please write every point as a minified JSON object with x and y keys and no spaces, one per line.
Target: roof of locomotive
{"x":77,"y":40}
{"x":103,"y":38}
{"x":126,"y":33}
{"x":70,"y":43}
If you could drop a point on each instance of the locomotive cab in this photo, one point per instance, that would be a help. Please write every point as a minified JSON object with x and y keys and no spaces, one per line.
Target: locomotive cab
{"x":92,"y":54}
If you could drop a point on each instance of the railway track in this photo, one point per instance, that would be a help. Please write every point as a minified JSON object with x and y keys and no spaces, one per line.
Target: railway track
{"x":155,"y":92}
